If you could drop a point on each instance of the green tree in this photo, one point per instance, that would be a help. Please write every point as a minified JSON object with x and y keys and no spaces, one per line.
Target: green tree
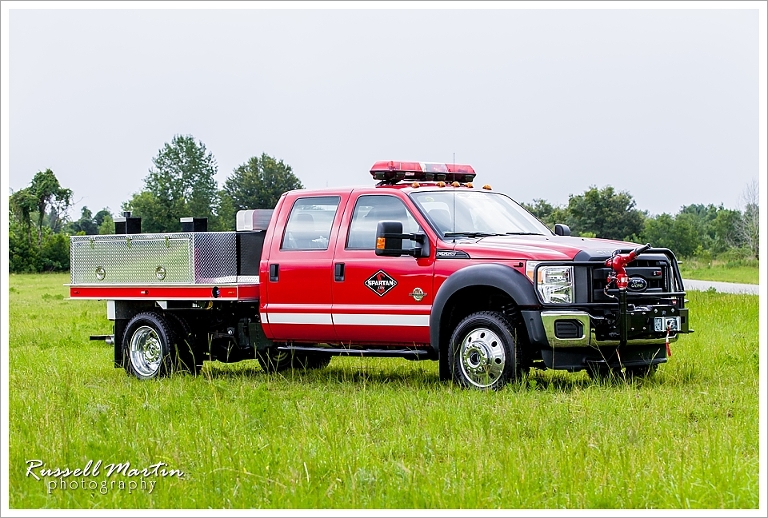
{"x":660,"y":231}
{"x":748,"y":228}
{"x":256,"y":184}
{"x":605,"y":213}
{"x":54,"y":254}
{"x":98,"y":219}
{"x":23,"y":253}
{"x":44,"y":192}
{"x":23,"y":204}
{"x":546,"y":212}
{"x":48,"y":192}
{"x":703,"y":217}
{"x":84,"y":225}
{"x":89,"y":224}
{"x":44,"y":202}
{"x":680,"y":233}
{"x":106,"y":223}
{"x":725,"y":227}
{"x":687,"y":234}
{"x":180,"y":184}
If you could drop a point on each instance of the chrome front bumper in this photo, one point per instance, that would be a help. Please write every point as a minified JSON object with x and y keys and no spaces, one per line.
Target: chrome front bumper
{"x":574,"y":329}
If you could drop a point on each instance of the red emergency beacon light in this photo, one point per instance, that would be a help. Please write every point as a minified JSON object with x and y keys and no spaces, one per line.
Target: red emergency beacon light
{"x":391,"y":172}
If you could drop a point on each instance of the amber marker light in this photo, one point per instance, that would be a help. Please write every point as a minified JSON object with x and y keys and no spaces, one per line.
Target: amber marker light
{"x":441,"y":184}
{"x":415,"y":185}
{"x":456,"y":184}
{"x":469,"y":184}
{"x":487,"y":187}
{"x":380,"y":243}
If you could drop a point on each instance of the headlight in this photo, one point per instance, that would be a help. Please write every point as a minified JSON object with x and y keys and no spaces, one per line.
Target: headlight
{"x":555,"y":283}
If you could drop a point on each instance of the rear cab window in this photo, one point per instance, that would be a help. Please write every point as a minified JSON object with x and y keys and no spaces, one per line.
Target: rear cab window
{"x":309,"y":223}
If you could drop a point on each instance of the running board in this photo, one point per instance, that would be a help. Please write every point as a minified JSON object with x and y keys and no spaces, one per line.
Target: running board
{"x":417,"y":354}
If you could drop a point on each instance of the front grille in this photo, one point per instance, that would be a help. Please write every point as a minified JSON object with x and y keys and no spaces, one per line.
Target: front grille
{"x":653,"y":274}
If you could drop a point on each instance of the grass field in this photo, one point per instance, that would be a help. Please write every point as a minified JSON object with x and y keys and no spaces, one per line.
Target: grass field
{"x":744,"y":272}
{"x":380,"y":433}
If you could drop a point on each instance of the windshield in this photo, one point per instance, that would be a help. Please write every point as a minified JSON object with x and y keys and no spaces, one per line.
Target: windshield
{"x":477,"y":214}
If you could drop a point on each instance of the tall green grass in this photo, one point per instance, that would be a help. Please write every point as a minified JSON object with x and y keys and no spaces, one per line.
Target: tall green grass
{"x":383,"y":433}
{"x":743,"y":271}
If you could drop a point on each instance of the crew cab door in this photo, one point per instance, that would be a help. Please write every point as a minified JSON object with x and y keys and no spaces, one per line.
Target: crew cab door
{"x":300,"y":273}
{"x":380,"y":300}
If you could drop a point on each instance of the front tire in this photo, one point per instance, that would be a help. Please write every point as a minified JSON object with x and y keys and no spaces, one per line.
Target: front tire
{"x":482,"y":353}
{"x":149,"y":346}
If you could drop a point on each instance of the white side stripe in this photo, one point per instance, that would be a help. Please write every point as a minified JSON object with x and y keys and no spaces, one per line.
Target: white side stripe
{"x":300,"y":318}
{"x":349,"y":319}
{"x":357,"y":319}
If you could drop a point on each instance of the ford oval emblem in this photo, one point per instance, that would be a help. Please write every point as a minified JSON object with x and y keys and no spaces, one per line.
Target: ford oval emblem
{"x":637,"y":284}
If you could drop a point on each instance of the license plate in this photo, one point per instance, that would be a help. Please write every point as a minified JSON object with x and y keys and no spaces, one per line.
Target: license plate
{"x":661,"y":323}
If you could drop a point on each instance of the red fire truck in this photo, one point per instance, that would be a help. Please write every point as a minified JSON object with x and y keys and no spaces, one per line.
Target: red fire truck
{"x":424,"y":266}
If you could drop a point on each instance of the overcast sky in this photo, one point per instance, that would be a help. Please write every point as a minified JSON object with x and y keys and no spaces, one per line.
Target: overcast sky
{"x":543,"y":103}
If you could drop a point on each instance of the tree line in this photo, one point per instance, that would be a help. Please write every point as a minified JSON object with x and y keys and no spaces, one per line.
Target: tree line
{"x":181,"y":183}
{"x":697,"y":230}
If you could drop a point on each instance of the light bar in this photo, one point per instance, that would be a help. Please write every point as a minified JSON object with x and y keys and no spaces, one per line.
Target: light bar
{"x":393,"y":172}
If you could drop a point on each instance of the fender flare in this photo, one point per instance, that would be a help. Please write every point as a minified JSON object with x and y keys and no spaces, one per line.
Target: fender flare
{"x":495,"y":275}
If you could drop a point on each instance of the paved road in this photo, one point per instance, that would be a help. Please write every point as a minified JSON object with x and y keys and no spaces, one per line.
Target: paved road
{"x":722,"y":287}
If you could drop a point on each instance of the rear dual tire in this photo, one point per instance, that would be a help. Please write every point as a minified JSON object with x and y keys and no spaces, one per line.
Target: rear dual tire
{"x":149,"y":342}
{"x":156,"y":345}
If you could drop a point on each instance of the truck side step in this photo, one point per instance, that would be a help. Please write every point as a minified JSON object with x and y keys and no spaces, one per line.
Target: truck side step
{"x":413,"y":354}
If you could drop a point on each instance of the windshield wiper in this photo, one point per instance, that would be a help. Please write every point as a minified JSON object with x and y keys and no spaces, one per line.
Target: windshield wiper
{"x":471,"y":234}
{"x":523,"y":234}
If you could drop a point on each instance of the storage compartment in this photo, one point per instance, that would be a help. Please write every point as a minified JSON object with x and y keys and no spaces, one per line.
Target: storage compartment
{"x":172,"y":258}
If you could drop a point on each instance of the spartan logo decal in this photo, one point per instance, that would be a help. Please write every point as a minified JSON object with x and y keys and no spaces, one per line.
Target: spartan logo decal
{"x":380,"y":283}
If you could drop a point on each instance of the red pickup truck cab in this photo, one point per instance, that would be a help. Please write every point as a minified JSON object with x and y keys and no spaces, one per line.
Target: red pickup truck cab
{"x":424,"y":265}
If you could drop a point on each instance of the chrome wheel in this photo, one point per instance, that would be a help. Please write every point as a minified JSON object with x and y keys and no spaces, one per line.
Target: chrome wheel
{"x":150,"y":344}
{"x":482,"y":357}
{"x":483,"y":352}
{"x":146,"y":351}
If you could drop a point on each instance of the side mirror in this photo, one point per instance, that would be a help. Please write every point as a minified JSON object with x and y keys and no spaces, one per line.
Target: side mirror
{"x":389,"y":241}
{"x":562,"y":230}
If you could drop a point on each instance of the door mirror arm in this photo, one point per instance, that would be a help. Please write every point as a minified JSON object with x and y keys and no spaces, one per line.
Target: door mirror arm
{"x":389,"y":241}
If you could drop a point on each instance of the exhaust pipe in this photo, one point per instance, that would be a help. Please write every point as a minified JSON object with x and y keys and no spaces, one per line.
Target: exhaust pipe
{"x":108,"y":339}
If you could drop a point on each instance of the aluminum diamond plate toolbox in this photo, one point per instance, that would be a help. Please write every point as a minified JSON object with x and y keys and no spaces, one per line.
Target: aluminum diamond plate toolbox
{"x":172,"y":258}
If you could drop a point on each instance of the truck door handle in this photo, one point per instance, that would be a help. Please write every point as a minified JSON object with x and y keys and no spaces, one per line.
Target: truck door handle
{"x":338,"y":272}
{"x":274,"y":272}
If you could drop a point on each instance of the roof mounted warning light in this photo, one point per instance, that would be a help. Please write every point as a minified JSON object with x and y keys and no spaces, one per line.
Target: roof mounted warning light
{"x":391,"y":172}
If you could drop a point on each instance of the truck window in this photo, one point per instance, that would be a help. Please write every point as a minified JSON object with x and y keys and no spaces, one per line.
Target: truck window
{"x":369,"y":210}
{"x":309,"y":224}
